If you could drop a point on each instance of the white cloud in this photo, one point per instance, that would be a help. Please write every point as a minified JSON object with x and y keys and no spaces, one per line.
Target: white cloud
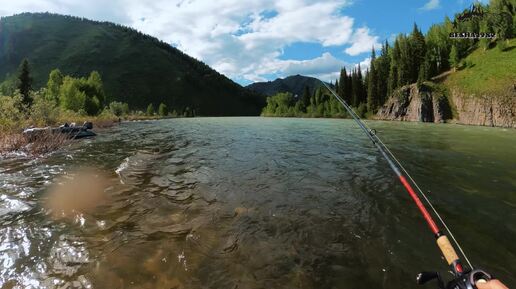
{"x":242,"y":39}
{"x":365,"y":64}
{"x":362,"y":41}
{"x":325,"y":67}
{"x":431,"y":5}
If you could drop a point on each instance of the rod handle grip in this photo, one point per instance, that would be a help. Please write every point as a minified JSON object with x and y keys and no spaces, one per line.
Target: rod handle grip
{"x":447,"y":249}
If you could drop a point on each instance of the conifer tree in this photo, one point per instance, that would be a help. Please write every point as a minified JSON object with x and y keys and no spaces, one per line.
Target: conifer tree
{"x":372,"y":85}
{"x":25,"y":81}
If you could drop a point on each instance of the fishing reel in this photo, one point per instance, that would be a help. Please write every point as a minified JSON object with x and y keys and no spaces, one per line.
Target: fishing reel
{"x":466,"y":280}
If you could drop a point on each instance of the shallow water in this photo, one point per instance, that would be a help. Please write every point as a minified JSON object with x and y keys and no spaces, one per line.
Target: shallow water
{"x":260,"y":203}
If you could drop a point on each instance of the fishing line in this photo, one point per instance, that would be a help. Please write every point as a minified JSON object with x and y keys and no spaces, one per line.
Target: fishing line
{"x":371,"y":133}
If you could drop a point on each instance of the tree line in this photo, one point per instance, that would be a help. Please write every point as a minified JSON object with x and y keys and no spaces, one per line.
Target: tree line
{"x":412,"y":58}
{"x":63,"y":99}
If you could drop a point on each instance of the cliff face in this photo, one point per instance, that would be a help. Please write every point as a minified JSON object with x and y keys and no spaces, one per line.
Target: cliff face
{"x":430,"y":104}
{"x":487,"y":111}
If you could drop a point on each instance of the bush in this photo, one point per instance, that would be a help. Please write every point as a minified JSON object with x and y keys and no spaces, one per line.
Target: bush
{"x":12,"y":112}
{"x":119,"y":108}
{"x":44,"y":111}
{"x":361,"y":110}
{"x":150,"y":110}
{"x":163,"y":110}
{"x":501,"y":45}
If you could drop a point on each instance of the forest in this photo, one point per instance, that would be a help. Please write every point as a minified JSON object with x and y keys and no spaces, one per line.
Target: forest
{"x":413,"y":58}
{"x":64,"y":99}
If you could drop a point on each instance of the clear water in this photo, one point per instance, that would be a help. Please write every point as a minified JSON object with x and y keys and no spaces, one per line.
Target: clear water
{"x":260,"y":203}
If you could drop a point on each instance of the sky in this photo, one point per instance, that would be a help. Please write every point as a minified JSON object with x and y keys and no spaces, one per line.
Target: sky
{"x":250,"y":41}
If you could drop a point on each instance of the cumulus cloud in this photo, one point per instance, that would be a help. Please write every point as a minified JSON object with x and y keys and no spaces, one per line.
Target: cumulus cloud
{"x":242,"y":39}
{"x":431,"y":5}
{"x":362,"y":41}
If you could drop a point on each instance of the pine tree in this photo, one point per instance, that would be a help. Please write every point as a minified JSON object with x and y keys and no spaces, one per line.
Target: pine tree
{"x":372,"y":85}
{"x":25,"y":82}
{"x":384,"y":64}
{"x":418,"y":46}
{"x":343,"y":83}
{"x":305,"y":98}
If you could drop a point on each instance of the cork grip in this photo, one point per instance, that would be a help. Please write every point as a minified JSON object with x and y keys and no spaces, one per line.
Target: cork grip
{"x":447,"y":249}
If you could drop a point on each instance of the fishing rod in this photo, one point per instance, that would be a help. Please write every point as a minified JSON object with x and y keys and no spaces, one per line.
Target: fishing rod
{"x":464,"y":278}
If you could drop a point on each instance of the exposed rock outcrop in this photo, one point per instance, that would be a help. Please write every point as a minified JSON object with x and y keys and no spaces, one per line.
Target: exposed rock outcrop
{"x":432,"y":103}
{"x":411,"y":103}
{"x":485,"y":110}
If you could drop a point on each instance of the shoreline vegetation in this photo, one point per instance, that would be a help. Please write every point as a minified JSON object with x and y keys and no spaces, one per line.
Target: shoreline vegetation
{"x":65,"y":99}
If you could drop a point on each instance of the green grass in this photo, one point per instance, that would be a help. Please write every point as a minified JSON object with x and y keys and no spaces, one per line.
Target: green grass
{"x":488,"y":72}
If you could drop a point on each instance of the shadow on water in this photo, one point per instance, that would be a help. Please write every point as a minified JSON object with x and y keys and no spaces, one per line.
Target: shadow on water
{"x":257,"y":203}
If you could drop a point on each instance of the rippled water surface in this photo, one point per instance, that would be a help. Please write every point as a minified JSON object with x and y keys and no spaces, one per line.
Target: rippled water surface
{"x":259,"y":203}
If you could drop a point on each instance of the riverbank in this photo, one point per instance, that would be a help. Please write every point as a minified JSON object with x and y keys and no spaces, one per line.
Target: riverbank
{"x":14,"y":143}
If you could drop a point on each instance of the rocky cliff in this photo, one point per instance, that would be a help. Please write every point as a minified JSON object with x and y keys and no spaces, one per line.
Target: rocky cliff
{"x":433,"y":103}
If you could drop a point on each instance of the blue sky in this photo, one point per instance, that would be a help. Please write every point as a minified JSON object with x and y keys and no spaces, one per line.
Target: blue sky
{"x":252,"y":41}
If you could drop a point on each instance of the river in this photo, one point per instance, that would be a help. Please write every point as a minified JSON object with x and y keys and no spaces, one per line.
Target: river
{"x":259,"y":203}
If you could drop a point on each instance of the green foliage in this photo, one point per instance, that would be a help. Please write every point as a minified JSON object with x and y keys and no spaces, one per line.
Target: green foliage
{"x":55,"y":80}
{"x":25,"y":81}
{"x":132,"y":64}
{"x":454,"y":57}
{"x":279,"y":104}
{"x":44,"y":111}
{"x":150,"y":109}
{"x":70,"y":95}
{"x":119,"y":108}
{"x":77,"y":94}
{"x":373,"y":84}
{"x":162,"y":110}
{"x":489,"y":72}
{"x":8,"y":86}
{"x":321,"y":105}
{"x":12,"y":112}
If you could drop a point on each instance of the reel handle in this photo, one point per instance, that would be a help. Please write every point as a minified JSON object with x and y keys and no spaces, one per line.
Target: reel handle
{"x":465,"y":281}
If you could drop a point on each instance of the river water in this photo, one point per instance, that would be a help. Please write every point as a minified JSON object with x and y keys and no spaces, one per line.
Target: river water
{"x":259,"y":203}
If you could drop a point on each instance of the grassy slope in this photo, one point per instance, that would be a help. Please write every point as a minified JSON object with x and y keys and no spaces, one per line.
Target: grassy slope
{"x":136,"y":68}
{"x":490,"y":72}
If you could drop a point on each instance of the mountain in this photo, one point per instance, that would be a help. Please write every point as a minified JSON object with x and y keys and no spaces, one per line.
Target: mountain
{"x":294,"y":84}
{"x":136,"y":68}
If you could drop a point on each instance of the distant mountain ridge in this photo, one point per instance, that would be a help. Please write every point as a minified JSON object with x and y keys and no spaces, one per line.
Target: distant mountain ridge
{"x":136,"y":68}
{"x":294,"y":84}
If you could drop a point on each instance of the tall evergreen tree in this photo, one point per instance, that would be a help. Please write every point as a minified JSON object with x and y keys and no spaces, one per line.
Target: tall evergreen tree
{"x":418,"y":46}
{"x":343,"y":83}
{"x":25,"y":81}
{"x":305,"y":98}
{"x":372,"y":85}
{"x":384,"y":64}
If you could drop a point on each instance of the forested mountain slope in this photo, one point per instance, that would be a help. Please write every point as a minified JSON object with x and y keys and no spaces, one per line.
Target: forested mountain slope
{"x":136,"y":68}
